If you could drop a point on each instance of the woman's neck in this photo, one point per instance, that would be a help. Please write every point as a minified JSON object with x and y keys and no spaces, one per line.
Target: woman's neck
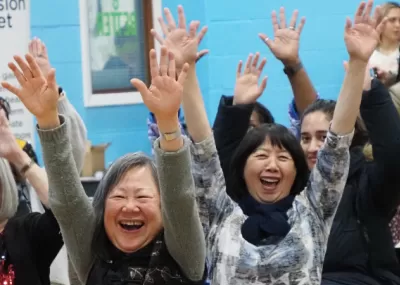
{"x":387,"y":46}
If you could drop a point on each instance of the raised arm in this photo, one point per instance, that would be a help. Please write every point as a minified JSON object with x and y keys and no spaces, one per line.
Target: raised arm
{"x":67,"y":198}
{"x":285,"y":47}
{"x":329,"y":177}
{"x":206,"y":169}
{"x":377,"y":108}
{"x":183,"y":232}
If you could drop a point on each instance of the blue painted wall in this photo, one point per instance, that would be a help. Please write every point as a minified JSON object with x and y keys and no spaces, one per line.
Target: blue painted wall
{"x":233,"y":28}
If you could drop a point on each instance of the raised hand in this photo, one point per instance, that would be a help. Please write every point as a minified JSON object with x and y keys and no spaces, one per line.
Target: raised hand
{"x":247,"y":89}
{"x":367,"y":77}
{"x":362,"y":38}
{"x":38,"y":50}
{"x":38,"y":93}
{"x":164,"y":96}
{"x":285,"y":45}
{"x":182,"y":43}
{"x":8,"y":144}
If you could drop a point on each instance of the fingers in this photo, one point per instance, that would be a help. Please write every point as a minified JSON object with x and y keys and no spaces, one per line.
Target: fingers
{"x":293,"y":20}
{"x":263,"y":85}
{"x":261,"y":66}
{"x":282,"y":18}
{"x":33,"y":66}
{"x":181,"y":18}
{"x":381,"y":25}
{"x":201,"y":53}
{"x":301,"y":25}
{"x":359,"y":13}
{"x":14,"y":90}
{"x":239,"y":69}
{"x":51,"y":79}
{"x":141,"y":87}
{"x":194,"y":25}
{"x":170,"y":19}
{"x":248,"y":63}
{"x":266,"y":40}
{"x":17,"y":73}
{"x":183,"y":74}
{"x":377,"y":17}
{"x":154,"y":69}
{"x":172,"y":66}
{"x":201,"y":34}
{"x":255,"y":62}
{"x":367,"y":11}
{"x":24,"y":67}
{"x":275,"y":23}
{"x":164,"y":26}
{"x":157,"y":36}
{"x":164,"y":61}
{"x":348,"y":23}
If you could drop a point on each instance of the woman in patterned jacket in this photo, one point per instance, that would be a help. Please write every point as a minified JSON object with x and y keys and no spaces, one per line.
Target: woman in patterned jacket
{"x":279,"y":235}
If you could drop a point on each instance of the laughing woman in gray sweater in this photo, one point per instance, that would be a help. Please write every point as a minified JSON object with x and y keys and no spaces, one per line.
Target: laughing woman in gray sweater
{"x":137,"y":230}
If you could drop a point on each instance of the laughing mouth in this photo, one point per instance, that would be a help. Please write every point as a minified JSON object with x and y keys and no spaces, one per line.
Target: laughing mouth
{"x":131,"y":225}
{"x":270,"y":183}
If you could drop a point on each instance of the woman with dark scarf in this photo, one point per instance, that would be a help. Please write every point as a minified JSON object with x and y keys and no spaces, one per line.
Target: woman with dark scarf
{"x":360,"y":250}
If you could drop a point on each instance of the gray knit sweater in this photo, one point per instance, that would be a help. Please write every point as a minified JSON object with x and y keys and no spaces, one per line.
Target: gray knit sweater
{"x":74,"y":212}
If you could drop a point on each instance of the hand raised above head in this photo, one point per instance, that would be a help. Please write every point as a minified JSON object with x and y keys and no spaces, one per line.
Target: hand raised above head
{"x":38,"y":50}
{"x":39,"y":94}
{"x":247,"y":88}
{"x":362,"y":37}
{"x":8,"y":144}
{"x":285,"y":45}
{"x":181,"y":42}
{"x":164,"y":96}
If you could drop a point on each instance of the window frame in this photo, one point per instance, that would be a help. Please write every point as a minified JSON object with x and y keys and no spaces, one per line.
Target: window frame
{"x":153,"y":10}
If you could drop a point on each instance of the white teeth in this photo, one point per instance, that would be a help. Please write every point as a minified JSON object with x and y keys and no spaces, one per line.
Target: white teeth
{"x":270,"y":180}
{"x":132,"y":223}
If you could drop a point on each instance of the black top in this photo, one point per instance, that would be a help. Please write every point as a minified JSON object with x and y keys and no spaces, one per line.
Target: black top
{"x":32,"y":243}
{"x":360,"y":247}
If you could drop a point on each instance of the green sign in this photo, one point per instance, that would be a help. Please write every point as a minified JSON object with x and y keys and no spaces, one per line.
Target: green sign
{"x":109,"y":23}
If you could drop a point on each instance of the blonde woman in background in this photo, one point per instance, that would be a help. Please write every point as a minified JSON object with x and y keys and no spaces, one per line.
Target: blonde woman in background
{"x":385,"y":59}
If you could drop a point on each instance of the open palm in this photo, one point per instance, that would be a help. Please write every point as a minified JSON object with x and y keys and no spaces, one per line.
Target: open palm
{"x":38,"y":50}
{"x":247,"y":89}
{"x":362,"y":38}
{"x":285,"y":45}
{"x":181,"y":42}
{"x":164,"y":96}
{"x":37,"y":93}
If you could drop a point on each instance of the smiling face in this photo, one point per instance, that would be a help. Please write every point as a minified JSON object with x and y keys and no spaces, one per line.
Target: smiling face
{"x":391,"y":30}
{"x":269,"y":173}
{"x":132,"y":217}
{"x":314,"y":129}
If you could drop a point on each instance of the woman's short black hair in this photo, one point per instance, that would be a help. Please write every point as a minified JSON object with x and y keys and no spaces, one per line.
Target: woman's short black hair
{"x":264,"y":115}
{"x":328,"y":107}
{"x":279,"y":136}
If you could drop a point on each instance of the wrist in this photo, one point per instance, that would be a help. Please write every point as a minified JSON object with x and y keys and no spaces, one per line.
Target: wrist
{"x":19,"y":159}
{"x":167,"y":125}
{"x":291,"y":62}
{"x":50,"y":121}
{"x":357,"y":63}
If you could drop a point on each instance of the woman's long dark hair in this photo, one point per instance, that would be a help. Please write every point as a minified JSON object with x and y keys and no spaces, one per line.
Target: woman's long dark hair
{"x":279,"y":136}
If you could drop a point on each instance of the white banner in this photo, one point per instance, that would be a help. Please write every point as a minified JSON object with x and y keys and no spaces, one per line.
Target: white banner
{"x":15,"y":36}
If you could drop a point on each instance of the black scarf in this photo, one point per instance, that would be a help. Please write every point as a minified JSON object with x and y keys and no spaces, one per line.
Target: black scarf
{"x":265,"y":220}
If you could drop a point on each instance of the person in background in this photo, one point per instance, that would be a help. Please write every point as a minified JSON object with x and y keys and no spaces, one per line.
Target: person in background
{"x":24,"y":206}
{"x":30,"y":243}
{"x":385,"y":59}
